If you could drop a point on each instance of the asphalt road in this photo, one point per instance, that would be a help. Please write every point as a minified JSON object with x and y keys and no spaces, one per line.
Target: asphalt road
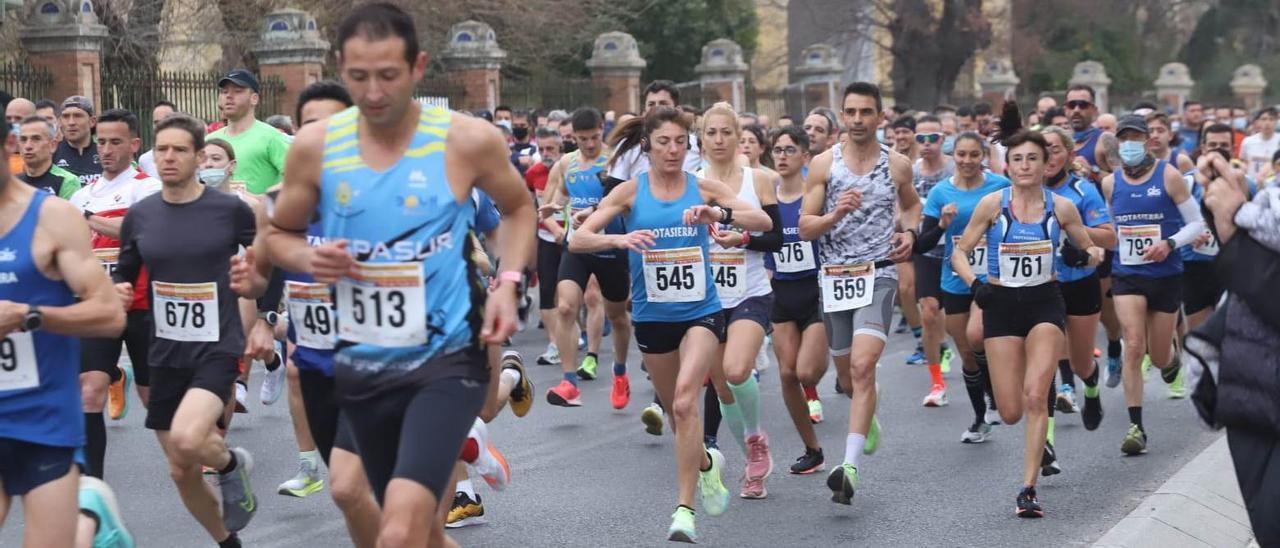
{"x":591,"y":477}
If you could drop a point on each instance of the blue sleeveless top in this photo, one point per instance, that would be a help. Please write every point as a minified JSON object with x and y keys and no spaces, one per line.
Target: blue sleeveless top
{"x":1146,"y":204}
{"x":1008,"y":228}
{"x":1093,"y":213}
{"x":585,"y":190}
{"x":794,"y":248}
{"x":40,"y":371}
{"x":1089,"y":138}
{"x":664,"y":218}
{"x":306,"y":358}
{"x":404,"y":215}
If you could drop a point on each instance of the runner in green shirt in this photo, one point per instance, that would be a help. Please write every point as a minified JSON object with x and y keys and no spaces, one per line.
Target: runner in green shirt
{"x":260,"y":148}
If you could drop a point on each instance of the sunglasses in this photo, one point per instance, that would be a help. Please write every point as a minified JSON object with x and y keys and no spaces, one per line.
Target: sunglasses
{"x":788,"y":151}
{"x":928,"y":137}
{"x":1078,"y":104}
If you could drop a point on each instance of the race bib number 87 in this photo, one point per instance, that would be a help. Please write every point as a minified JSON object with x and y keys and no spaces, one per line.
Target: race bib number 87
{"x":18,"y":362}
{"x":675,"y":275}
{"x":383,"y":304}
{"x":186,"y":312}
{"x":978,"y":256}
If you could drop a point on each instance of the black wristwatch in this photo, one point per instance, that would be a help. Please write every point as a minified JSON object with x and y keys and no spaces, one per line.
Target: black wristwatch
{"x":33,"y":320}
{"x":1173,"y":246}
{"x":87,"y":214}
{"x":270,"y":317}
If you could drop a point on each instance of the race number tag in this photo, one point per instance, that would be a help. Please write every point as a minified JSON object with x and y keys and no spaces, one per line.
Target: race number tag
{"x":108,"y":257}
{"x":978,"y":256}
{"x":847,"y":286}
{"x":311,"y":314}
{"x":1026,"y":263}
{"x":1136,"y":239}
{"x":18,"y":369}
{"x":727,"y":270}
{"x":383,"y":304}
{"x":1210,"y":247}
{"x":675,"y":275}
{"x":186,"y":312}
{"x":794,"y":257}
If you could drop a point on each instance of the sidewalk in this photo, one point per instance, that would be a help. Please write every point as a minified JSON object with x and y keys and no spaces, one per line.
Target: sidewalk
{"x":1199,"y":506}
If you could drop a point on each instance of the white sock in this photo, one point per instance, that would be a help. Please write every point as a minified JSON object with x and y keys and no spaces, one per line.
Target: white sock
{"x":464,"y":486}
{"x":853,"y":447}
{"x":512,"y":374}
{"x":312,"y":457}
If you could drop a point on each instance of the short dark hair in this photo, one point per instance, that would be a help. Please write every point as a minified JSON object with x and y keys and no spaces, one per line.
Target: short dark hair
{"x":47,"y":103}
{"x":164,"y":103}
{"x":966,"y":112}
{"x":586,"y":118}
{"x":1265,"y":110}
{"x":865,"y":89}
{"x":786,"y":117}
{"x":982,"y":108}
{"x":120,"y":115}
{"x":1022,"y":137}
{"x":658,"y":86}
{"x":502,"y":107}
{"x":904,"y":122}
{"x":522,"y":113}
{"x":1145,"y":104}
{"x":1052,"y":113}
{"x":324,"y":89}
{"x":1216,"y":127}
{"x":928,"y":118}
{"x":1190,"y":103}
{"x":1082,"y":87}
{"x":231,"y":151}
{"x":378,"y":21}
{"x":546,"y":133}
{"x":833,"y":123}
{"x":796,"y":133}
{"x":185,"y":123}
{"x":4,"y":134}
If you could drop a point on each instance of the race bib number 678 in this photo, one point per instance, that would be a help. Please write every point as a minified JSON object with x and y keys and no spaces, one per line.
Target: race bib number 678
{"x":185,"y":312}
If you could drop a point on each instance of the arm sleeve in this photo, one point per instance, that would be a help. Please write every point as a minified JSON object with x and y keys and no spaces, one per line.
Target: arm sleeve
{"x":770,"y":240}
{"x":608,"y":182}
{"x":1261,"y":218}
{"x":129,"y":262}
{"x":1190,"y":211}
{"x":930,"y":235}
{"x":270,"y":300}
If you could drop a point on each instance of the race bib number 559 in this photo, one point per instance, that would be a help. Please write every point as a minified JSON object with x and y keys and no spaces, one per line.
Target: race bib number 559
{"x":847,"y":287}
{"x":383,"y":304}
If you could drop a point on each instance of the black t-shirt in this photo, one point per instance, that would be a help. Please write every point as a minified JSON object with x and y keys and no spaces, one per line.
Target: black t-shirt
{"x":190,"y":244}
{"x":83,"y":164}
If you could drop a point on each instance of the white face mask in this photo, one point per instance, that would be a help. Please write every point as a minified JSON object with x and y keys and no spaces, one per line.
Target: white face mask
{"x":213,"y":176}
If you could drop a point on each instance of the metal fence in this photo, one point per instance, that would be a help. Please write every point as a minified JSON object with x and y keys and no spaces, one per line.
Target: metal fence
{"x":194,"y":93}
{"x":547,"y":90}
{"x":439,"y":90}
{"x":21,"y":79}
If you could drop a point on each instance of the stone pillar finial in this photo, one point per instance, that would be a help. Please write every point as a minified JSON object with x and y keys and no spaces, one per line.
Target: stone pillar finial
{"x":1094,"y":75}
{"x":723,"y":73}
{"x":1173,"y":86}
{"x":65,"y":38}
{"x":818,"y":78}
{"x":1248,"y":83}
{"x":615,"y":65}
{"x":292,"y":50}
{"x":999,"y":83}
{"x":474,"y":60}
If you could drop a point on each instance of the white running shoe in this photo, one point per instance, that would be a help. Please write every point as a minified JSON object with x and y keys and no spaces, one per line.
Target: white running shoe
{"x":491,"y":465}
{"x":937,"y":396}
{"x":273,"y":384}
{"x":551,"y":356}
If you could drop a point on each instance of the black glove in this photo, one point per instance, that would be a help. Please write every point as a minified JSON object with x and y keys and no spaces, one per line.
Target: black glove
{"x":1073,"y":256}
{"x":982,"y":293}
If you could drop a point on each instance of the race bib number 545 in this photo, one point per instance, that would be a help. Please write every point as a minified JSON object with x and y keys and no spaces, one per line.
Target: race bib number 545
{"x":186,"y":312}
{"x":383,"y":304}
{"x":675,"y":275}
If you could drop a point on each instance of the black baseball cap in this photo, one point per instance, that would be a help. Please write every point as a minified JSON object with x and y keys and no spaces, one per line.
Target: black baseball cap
{"x":240,"y":77}
{"x":78,"y":101}
{"x":1133,"y":122}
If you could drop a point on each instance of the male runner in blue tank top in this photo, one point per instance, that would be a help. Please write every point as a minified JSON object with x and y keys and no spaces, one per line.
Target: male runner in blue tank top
{"x":393,"y":182}
{"x":45,"y":263}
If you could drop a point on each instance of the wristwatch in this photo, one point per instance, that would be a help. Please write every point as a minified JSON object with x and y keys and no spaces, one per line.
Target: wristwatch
{"x":33,"y":320}
{"x":270,"y":317}
{"x":87,"y":214}
{"x":1173,"y":246}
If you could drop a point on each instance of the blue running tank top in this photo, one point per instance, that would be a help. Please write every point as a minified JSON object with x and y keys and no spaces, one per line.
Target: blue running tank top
{"x":1089,"y":145}
{"x":1093,"y":212}
{"x":311,"y":316}
{"x":414,"y":293}
{"x":585,"y":190}
{"x":798,"y":259}
{"x":1138,"y":209}
{"x":1024,"y":252}
{"x":40,"y":371}
{"x":677,"y":269}
{"x":966,"y":201}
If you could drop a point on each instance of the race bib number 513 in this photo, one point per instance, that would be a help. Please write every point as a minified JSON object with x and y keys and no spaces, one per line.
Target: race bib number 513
{"x":383,"y":304}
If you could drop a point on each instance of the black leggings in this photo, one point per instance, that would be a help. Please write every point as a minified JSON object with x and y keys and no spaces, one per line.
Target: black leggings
{"x":416,"y":432}
{"x":324,"y":420}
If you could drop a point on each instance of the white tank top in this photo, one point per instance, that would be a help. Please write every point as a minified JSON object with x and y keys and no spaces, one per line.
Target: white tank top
{"x":739,"y":273}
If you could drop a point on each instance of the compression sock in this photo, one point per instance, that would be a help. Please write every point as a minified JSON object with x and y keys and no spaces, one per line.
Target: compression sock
{"x":619,"y":369}
{"x":810,"y":393}
{"x":1091,"y":382}
{"x":973,"y":385}
{"x":1068,"y":377}
{"x":95,"y":446}
{"x":747,"y":395}
{"x":732,"y":413}
{"x":1135,"y":417}
{"x":981,"y":358}
{"x":1048,"y":434}
{"x":572,"y":377}
{"x":711,"y":414}
{"x":917,"y":332}
{"x":1113,"y":349}
{"x":935,"y":374}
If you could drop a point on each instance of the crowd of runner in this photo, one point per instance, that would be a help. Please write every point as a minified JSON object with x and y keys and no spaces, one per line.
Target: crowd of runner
{"x":380,"y":255}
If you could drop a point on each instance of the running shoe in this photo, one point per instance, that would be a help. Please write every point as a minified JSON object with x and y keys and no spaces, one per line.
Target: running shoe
{"x":118,"y":394}
{"x":582,"y":341}
{"x":306,"y":482}
{"x":843,"y":482}
{"x":946,"y":359}
{"x":763,"y":363}
{"x":811,"y":461}
{"x":715,"y":498}
{"x":752,"y":488}
{"x":551,"y":356}
{"x":273,"y":383}
{"x":992,"y":416}
{"x":1115,"y":372}
{"x":522,"y":393}
{"x":1091,"y":415}
{"x":621,"y":394}
{"x":652,"y":419}
{"x":1027,"y":505}
{"x":242,"y":397}
{"x":1178,"y":388}
{"x":917,"y":358}
{"x":873,"y":437}
{"x":759,"y":461}
{"x":1135,"y":441}
{"x":681,"y":529}
{"x":587,"y":370}
{"x":465,"y":511}
{"x":490,"y":464}
{"x":937,"y":396}
{"x":1049,"y":461}
{"x":97,"y":498}
{"x":1066,"y":400}
{"x":238,"y":503}
{"x":978,"y":432}
{"x":815,"y":411}
{"x":564,"y":394}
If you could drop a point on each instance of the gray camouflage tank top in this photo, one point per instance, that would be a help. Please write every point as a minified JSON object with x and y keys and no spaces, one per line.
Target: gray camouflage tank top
{"x":925,"y":183}
{"x":866,"y":234}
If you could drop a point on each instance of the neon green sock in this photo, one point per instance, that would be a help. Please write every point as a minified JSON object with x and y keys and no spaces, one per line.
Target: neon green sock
{"x":1049,"y":434}
{"x":1091,"y":391}
{"x":747,"y":395}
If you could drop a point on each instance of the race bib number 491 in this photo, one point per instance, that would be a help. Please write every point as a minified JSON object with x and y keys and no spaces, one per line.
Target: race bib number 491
{"x":18,"y":369}
{"x":185,"y":312}
{"x":847,"y":287}
{"x":675,"y":275}
{"x":383,"y":304}
{"x":311,"y":314}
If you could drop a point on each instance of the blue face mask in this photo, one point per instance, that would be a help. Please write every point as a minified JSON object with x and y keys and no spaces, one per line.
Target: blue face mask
{"x":880,"y":135}
{"x":1240,"y":123}
{"x":949,"y":145}
{"x":1132,"y":153}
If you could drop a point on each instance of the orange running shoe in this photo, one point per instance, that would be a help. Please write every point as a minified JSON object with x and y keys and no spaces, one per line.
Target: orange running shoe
{"x":564,"y":394}
{"x":621,"y":395}
{"x":118,"y":394}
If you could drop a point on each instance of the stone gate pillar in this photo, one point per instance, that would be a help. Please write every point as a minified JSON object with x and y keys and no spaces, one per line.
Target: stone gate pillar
{"x":1173,"y":86}
{"x":723,"y":73}
{"x":65,"y":38}
{"x":818,"y":78}
{"x":1248,"y":84}
{"x":291,"y":49}
{"x":1094,"y":75}
{"x":999,"y":84}
{"x":615,"y":65}
{"x":474,"y":61}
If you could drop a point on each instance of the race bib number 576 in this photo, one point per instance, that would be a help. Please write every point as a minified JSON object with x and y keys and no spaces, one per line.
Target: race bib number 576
{"x":383,"y":304}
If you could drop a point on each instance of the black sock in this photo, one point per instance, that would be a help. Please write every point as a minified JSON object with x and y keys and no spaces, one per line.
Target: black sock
{"x":973,"y":385}
{"x":1092,"y":380}
{"x":593,"y":356}
{"x":1052,"y":398}
{"x":709,"y":463}
{"x":711,"y":413}
{"x":231,"y":464}
{"x":981,"y":358}
{"x":1068,"y":376}
{"x":273,"y":363}
{"x":689,"y":508}
{"x":1113,"y":349}
{"x":232,"y":541}
{"x":1135,"y":416}
{"x":95,"y":443}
